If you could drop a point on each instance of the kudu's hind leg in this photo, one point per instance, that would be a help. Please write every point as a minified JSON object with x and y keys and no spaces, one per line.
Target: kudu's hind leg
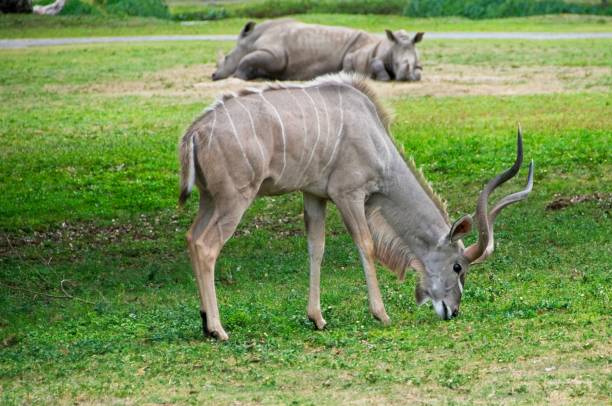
{"x":206,"y":240}
{"x":352,"y":210}
{"x":314,"y":218}
{"x":205,"y":212}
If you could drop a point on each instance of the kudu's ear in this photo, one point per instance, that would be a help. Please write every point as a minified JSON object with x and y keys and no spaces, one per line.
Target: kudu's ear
{"x":391,"y":36}
{"x":418,"y":37}
{"x":247,"y":29}
{"x":460,"y":228}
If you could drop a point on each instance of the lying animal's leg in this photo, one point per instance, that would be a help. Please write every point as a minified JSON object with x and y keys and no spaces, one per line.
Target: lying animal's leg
{"x":347,"y":63}
{"x":377,"y":67}
{"x":259,"y":64}
{"x":206,"y":247}
{"x":314,"y":218}
{"x":353,"y":214}
{"x":205,"y":212}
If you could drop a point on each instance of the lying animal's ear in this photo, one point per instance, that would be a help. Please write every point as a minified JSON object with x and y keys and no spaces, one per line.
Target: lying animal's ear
{"x":418,"y":37}
{"x":460,"y":228}
{"x":247,"y":29}
{"x":391,"y":36}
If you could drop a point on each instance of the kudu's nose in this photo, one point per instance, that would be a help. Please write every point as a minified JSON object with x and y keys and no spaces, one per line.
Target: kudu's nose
{"x":450,"y":312}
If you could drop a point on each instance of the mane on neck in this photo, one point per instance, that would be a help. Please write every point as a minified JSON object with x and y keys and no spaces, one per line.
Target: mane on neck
{"x":390,"y":249}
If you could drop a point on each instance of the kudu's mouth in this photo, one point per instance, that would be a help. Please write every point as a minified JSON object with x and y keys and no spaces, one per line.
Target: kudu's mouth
{"x":443,"y":310}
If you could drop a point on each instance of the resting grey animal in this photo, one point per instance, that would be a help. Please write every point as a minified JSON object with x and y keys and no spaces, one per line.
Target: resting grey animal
{"x":328,"y":139}
{"x":286,"y":49}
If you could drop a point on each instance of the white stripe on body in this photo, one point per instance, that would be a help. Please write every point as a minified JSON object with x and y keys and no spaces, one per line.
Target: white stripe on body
{"x":338,"y":136}
{"x":305,"y":170}
{"x":235,"y":132}
{"x":282,"y":132}
{"x":297,"y":102}
{"x":212,"y":131}
{"x":384,"y":137}
{"x":326,"y":114}
{"x":261,"y":151}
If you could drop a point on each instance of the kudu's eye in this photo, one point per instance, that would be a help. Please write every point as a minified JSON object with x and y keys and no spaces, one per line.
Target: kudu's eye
{"x":457,"y":268}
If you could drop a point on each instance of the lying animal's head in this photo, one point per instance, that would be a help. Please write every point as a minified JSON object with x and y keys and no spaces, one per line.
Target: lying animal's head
{"x":403,"y":58}
{"x":443,"y":268}
{"x":227,"y":64}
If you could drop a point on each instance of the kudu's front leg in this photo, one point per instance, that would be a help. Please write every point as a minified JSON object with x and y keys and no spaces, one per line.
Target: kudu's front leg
{"x":353,"y":214}
{"x":314,"y":218}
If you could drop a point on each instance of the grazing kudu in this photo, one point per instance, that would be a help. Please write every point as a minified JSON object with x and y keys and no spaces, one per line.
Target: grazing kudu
{"x":328,"y":139}
{"x":286,"y":49}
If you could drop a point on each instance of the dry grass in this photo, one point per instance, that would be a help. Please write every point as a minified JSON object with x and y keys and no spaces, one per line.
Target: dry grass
{"x":438,"y":80}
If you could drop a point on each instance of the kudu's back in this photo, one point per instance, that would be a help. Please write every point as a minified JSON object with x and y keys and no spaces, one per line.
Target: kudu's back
{"x":287,"y":137}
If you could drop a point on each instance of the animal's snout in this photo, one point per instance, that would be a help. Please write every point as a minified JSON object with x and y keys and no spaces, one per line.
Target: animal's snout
{"x":215,"y":76}
{"x":450,"y":311}
{"x":411,"y":77}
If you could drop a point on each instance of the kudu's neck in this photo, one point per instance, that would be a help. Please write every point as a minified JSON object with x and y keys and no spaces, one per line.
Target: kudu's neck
{"x":411,"y":211}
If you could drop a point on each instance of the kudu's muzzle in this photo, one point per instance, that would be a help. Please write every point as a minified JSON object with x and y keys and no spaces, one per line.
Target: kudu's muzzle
{"x":445,"y":311}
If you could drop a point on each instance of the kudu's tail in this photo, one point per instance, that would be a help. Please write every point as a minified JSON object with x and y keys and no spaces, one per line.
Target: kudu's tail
{"x":187,"y":158}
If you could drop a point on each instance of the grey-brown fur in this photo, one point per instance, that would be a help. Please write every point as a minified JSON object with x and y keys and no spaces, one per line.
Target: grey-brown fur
{"x":329,"y":140}
{"x":286,"y":49}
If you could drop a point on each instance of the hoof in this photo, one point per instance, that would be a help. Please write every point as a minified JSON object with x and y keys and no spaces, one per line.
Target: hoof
{"x":383,"y":318}
{"x":214,"y":332}
{"x":219,"y":334}
{"x":319,"y":323}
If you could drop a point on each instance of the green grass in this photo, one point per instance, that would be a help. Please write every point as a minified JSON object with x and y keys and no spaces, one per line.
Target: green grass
{"x":473,"y":9}
{"x":30,"y":26}
{"x":88,"y":187}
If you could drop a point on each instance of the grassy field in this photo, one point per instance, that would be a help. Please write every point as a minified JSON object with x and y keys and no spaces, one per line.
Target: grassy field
{"x":88,"y":187}
{"x":29,"y":26}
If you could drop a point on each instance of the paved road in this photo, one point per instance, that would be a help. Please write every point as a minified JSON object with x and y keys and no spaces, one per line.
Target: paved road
{"x":24,"y":43}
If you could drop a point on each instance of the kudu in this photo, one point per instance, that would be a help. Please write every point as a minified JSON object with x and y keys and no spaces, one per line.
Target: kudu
{"x":328,"y":139}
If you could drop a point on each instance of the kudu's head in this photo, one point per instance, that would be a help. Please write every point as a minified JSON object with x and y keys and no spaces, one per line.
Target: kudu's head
{"x":444,"y":267}
{"x":403,"y":58}
{"x":227,"y":64}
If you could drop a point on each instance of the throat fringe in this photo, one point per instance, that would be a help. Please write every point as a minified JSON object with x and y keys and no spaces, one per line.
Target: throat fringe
{"x":389,"y":248}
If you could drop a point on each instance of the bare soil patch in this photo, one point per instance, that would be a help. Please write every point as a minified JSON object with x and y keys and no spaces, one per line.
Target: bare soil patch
{"x":563,"y":202}
{"x":76,"y":235}
{"x":438,"y":80}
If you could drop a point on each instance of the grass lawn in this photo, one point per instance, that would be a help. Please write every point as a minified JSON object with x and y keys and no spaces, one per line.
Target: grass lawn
{"x":88,"y":188}
{"x":31,"y":26}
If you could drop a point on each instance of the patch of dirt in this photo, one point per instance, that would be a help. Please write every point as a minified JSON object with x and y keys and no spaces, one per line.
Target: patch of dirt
{"x":79,"y":235}
{"x":465,"y":80}
{"x":285,"y":226}
{"x":563,"y":202}
{"x":438,"y":80}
